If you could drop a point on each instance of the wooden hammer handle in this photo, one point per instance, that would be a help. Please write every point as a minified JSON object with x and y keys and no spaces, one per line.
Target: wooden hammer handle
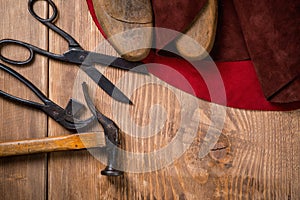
{"x":51,"y":144}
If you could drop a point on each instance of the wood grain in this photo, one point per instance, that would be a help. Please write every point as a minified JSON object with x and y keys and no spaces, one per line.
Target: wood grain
{"x":127,"y":25}
{"x":52,"y":144}
{"x":256,"y":154}
{"x":72,"y":175}
{"x":199,"y":38}
{"x":23,"y":177}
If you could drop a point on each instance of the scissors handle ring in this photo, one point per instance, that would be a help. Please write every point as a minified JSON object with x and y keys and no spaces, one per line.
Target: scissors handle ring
{"x":29,"y":47}
{"x":33,"y":13}
{"x":49,"y":22}
{"x":32,"y":51}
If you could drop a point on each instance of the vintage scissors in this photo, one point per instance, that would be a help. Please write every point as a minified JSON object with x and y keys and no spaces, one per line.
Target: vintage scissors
{"x":65,"y":117}
{"x":76,"y":55}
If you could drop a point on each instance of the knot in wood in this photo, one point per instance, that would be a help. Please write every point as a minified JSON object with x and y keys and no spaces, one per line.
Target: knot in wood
{"x":221,"y":152}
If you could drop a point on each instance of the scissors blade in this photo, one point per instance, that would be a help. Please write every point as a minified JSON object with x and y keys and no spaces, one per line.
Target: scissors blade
{"x":83,"y":57}
{"x":105,"y":84}
{"x":119,"y":63}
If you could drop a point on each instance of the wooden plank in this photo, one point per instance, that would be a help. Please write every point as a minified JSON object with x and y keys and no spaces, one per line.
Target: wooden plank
{"x":71,"y":175}
{"x":256,"y":157}
{"x":23,"y":177}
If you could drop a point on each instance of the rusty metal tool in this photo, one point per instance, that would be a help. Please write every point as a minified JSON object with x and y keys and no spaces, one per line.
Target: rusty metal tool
{"x":65,"y":117}
{"x":112,"y":137}
{"x":75,"y":55}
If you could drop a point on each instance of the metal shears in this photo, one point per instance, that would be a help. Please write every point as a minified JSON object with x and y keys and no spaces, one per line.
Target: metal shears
{"x":65,"y":117}
{"x":76,"y":55}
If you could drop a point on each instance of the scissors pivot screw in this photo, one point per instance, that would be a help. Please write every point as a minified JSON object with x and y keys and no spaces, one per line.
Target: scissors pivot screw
{"x":82,"y":58}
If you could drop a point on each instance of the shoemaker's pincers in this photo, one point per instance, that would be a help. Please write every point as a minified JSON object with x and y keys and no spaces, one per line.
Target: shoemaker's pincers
{"x":65,"y":117}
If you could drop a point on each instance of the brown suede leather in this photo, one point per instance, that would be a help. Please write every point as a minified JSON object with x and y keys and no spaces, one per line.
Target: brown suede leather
{"x":229,"y":42}
{"x":175,"y":15}
{"x":265,"y":31}
{"x":272,"y":33}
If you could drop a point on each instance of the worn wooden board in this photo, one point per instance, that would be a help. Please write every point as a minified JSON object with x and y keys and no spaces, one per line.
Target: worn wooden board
{"x":23,"y":177}
{"x":71,"y":175}
{"x":257,"y":155}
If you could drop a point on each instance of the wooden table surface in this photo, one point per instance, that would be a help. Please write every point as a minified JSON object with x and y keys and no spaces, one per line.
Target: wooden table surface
{"x":257,"y":155}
